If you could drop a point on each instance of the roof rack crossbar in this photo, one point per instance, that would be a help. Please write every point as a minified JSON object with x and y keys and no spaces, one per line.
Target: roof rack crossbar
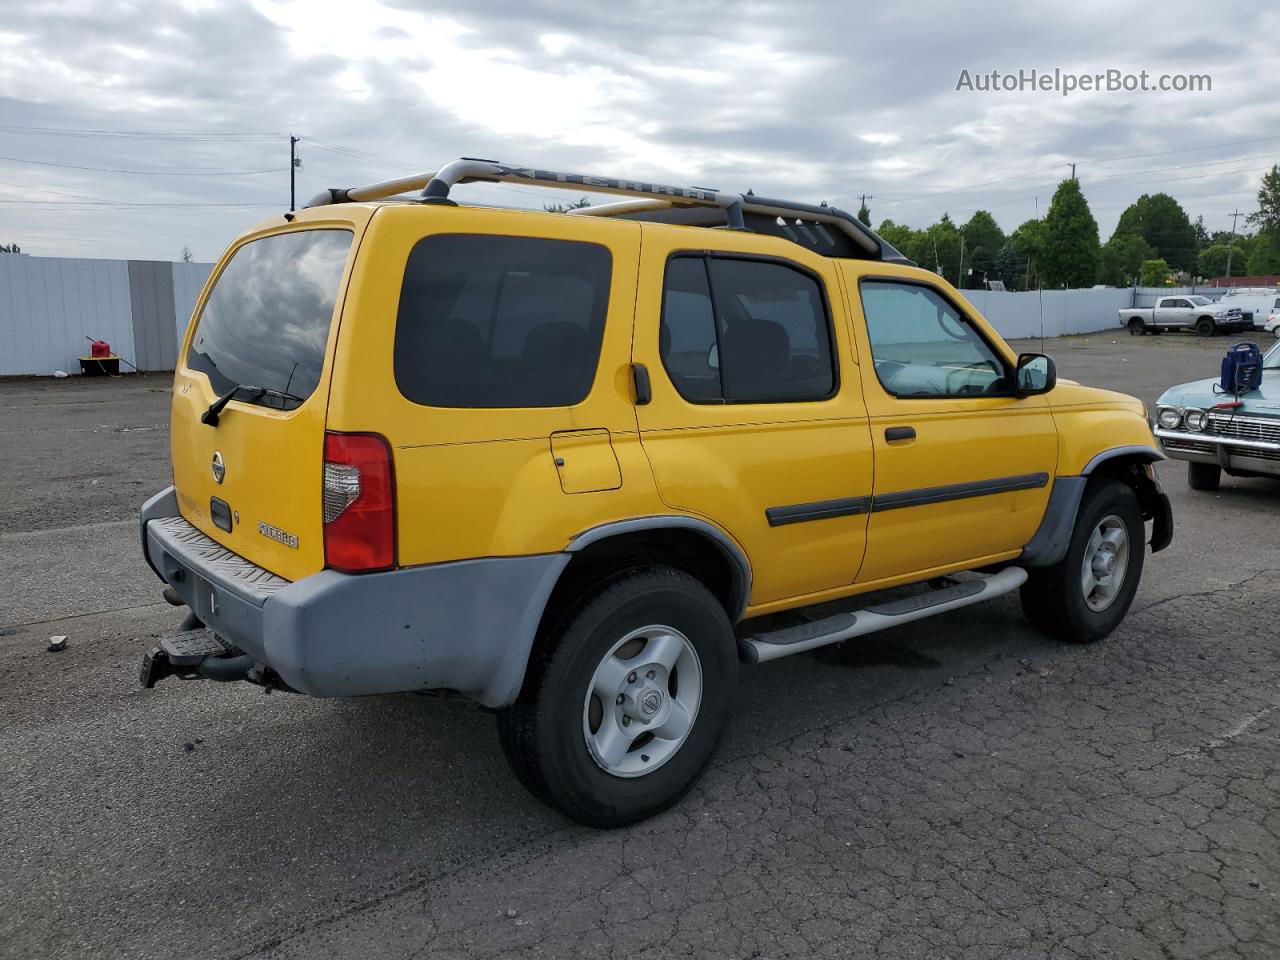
{"x":436,"y":187}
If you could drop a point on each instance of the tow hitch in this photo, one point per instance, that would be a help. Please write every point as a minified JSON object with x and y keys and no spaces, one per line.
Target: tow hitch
{"x":197,"y":653}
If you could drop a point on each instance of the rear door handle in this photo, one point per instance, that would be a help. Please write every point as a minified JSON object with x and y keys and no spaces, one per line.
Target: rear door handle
{"x":899,"y":433}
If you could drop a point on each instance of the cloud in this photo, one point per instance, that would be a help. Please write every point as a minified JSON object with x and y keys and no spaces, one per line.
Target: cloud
{"x":806,"y":99}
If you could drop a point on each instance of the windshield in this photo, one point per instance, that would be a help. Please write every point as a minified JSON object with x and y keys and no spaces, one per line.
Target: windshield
{"x":1199,"y":301}
{"x":267,"y":320}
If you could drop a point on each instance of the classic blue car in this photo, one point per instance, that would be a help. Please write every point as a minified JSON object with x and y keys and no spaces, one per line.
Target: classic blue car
{"x":1216,"y":431}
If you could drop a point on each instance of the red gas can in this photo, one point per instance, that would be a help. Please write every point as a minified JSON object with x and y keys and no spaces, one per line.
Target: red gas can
{"x":100,"y":348}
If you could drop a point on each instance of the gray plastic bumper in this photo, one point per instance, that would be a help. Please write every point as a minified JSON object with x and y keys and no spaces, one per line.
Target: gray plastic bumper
{"x":466,"y":626}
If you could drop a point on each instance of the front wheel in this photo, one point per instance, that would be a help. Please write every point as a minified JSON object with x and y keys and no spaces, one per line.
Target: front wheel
{"x":1203,"y":476}
{"x":1204,"y":327}
{"x":1085,"y":596}
{"x":625,"y":700}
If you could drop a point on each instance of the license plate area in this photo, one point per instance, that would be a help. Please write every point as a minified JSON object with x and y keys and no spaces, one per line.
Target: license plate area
{"x":220,"y":513}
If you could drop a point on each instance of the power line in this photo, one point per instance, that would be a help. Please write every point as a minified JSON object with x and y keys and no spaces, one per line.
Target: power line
{"x":140,"y":134}
{"x":212,"y":172}
{"x":130,"y":203}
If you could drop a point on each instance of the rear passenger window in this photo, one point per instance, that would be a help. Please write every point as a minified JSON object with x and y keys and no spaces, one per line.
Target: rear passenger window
{"x":501,"y":321}
{"x":745,"y":331}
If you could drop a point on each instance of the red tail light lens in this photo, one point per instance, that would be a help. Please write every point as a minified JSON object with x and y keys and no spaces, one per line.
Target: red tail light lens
{"x":359,"y":503}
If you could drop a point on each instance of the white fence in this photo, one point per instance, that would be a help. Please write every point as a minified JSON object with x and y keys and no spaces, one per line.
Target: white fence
{"x":1051,"y":313}
{"x":49,"y":305}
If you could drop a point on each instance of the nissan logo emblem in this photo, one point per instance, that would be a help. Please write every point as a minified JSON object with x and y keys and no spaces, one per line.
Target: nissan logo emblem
{"x":219,"y":470}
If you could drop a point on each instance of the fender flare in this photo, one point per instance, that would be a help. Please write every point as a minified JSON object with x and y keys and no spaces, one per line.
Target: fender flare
{"x":1049,"y":544}
{"x":732,"y":552}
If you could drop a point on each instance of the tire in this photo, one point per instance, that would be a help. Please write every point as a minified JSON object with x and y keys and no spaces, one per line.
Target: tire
{"x":1203,"y":476}
{"x":1054,"y":598}
{"x":553,"y":734}
{"x":1136,"y":327}
{"x":1204,"y":327}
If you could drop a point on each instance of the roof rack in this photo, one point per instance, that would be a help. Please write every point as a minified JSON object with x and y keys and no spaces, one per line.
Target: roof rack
{"x":801,"y":223}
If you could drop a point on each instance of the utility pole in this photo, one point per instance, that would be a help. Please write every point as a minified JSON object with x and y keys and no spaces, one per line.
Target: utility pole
{"x":294,"y":163}
{"x":862,"y":201}
{"x":960,"y":269}
{"x":1073,"y":171}
{"x":1231,"y":245}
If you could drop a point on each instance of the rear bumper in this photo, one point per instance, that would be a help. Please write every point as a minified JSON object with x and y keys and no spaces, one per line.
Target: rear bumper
{"x":466,"y":626}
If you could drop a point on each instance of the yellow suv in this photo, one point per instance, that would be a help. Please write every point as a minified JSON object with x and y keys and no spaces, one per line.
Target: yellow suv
{"x":578,"y":466}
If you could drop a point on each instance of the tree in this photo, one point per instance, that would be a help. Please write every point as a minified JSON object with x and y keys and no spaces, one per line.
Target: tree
{"x":937,"y":248}
{"x":186,"y":254}
{"x":1212,"y":261}
{"x":983,"y":240}
{"x":566,"y":207}
{"x":1264,"y":259}
{"x":1010,"y":267}
{"x":1072,"y":254}
{"x":10,"y":248}
{"x":1267,"y":216}
{"x":1202,"y":235}
{"x":864,"y":214}
{"x":1155,"y":273}
{"x":1160,"y":220}
{"x":903,"y":238}
{"x":1122,"y":258}
{"x":1028,"y":243}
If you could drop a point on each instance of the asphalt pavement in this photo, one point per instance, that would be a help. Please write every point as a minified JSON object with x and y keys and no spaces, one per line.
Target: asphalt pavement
{"x":962,"y":787}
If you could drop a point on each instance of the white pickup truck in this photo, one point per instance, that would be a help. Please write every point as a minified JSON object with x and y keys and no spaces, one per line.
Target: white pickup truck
{"x":1186,"y":312}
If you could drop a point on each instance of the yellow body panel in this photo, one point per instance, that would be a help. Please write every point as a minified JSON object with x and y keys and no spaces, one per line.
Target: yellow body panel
{"x":1091,"y":421}
{"x":513,"y":482}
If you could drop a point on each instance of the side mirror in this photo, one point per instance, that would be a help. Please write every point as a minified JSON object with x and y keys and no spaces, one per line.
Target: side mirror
{"x":1036,"y":374}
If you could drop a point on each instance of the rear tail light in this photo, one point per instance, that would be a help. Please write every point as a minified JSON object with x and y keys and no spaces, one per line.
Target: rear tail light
{"x":359,"y":503}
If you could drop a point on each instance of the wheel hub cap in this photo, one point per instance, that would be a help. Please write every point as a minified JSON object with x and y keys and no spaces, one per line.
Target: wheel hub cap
{"x":1106,"y":560}
{"x":642,"y":701}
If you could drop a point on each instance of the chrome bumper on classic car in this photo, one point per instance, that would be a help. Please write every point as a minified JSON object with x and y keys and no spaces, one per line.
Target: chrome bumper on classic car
{"x":1232,"y":442}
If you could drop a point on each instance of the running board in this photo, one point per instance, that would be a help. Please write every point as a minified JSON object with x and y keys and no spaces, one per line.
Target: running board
{"x":845,"y":626}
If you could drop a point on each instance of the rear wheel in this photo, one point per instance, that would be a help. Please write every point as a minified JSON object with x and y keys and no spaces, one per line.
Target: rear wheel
{"x":1203,"y":476}
{"x":1204,"y":327}
{"x":1085,"y":596}
{"x":626,"y":700}
{"x":1136,"y":327}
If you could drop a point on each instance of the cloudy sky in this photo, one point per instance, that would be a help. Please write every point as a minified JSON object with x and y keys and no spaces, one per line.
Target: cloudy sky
{"x":131,"y":129}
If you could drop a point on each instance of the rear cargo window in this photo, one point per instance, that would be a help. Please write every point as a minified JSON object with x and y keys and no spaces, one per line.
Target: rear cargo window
{"x":501,"y":321}
{"x":267,"y":320}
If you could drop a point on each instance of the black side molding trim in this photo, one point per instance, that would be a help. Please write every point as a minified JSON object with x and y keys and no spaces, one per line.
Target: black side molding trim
{"x":958,"y":491}
{"x":851,"y":506}
{"x":822,"y":510}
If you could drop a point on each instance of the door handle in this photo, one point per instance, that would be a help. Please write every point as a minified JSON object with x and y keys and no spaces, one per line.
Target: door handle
{"x":640,"y":378}
{"x":899,"y":433}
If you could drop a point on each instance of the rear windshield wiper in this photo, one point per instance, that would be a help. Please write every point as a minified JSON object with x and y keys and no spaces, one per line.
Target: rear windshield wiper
{"x":211,"y":415}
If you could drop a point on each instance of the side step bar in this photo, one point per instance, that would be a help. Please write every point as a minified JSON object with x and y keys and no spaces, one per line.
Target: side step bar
{"x":845,"y":626}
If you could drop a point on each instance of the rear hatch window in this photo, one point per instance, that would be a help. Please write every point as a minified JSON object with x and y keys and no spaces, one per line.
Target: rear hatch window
{"x":253,"y":481}
{"x":267,"y":321}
